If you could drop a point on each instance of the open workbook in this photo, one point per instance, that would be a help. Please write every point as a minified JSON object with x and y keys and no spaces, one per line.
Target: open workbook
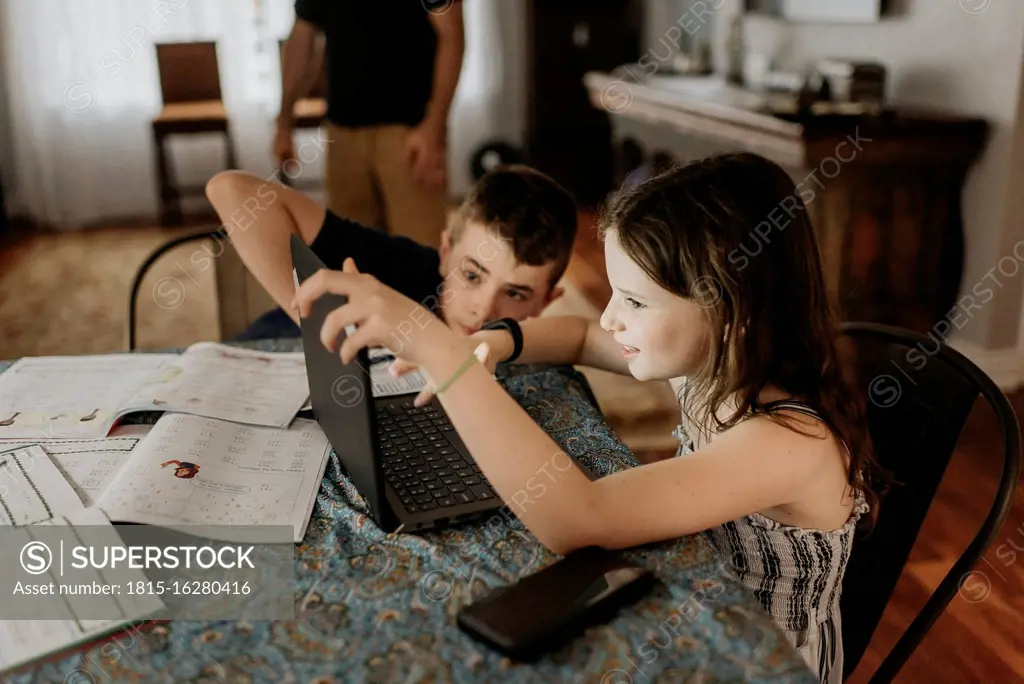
{"x":84,"y":396}
{"x":50,"y":397}
{"x":188,"y":470}
{"x":191,"y":470}
{"x":185,"y":470}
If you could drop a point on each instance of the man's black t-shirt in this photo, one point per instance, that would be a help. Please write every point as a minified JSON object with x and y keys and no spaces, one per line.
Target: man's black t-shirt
{"x":397,"y":261}
{"x":380,"y":58}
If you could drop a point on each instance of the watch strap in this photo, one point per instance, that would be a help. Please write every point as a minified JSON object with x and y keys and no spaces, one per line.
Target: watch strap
{"x":512,"y":325}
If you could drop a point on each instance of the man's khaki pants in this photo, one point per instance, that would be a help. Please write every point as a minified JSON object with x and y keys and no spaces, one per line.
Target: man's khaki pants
{"x":369,"y":180}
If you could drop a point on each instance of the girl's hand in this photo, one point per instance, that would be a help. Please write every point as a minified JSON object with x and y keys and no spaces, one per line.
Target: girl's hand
{"x":381,"y":316}
{"x":483,"y":344}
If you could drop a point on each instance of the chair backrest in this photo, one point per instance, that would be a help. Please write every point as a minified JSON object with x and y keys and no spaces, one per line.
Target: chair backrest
{"x":319,"y":88}
{"x":919,"y":394}
{"x":189,"y":72}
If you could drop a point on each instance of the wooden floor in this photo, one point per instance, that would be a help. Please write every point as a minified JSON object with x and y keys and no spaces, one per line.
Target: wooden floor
{"x":980,"y":636}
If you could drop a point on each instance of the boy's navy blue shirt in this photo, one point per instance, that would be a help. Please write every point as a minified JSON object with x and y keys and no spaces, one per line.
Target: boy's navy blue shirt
{"x":395,"y":260}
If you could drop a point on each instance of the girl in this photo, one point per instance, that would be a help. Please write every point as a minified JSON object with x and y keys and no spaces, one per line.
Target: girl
{"x":717,"y":288}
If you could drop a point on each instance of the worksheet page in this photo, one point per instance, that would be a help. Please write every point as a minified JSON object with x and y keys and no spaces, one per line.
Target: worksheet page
{"x":383,"y":384}
{"x":219,"y":381}
{"x":24,"y":640}
{"x":195,"y":470}
{"x":89,"y":465}
{"x":32,"y":489}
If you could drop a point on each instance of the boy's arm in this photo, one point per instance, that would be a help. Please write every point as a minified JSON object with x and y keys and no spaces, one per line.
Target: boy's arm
{"x":260,"y":216}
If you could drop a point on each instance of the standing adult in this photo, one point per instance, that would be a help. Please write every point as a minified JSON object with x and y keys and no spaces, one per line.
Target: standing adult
{"x":392,"y":70}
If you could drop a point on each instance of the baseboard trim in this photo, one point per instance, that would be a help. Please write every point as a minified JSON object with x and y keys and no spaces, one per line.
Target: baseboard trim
{"x":1004,"y":366}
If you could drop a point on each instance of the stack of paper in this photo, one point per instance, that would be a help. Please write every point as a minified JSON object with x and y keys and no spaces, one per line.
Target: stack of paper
{"x":22,"y":641}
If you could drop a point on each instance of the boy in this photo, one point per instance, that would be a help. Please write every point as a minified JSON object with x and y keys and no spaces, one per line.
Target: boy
{"x":500,"y":257}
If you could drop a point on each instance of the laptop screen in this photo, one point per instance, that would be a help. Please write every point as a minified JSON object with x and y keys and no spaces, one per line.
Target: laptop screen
{"x":340,"y":392}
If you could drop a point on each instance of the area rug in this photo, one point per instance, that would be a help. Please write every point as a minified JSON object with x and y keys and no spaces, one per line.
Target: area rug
{"x":67,"y":293}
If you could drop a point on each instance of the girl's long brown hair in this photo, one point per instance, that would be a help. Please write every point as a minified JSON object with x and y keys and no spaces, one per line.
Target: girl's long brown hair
{"x":732,"y":232}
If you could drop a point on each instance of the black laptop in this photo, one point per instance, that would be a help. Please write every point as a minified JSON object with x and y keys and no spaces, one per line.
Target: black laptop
{"x":408,"y":463}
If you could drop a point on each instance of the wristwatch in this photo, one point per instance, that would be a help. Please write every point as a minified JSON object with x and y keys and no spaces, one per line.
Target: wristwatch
{"x":512,"y":325}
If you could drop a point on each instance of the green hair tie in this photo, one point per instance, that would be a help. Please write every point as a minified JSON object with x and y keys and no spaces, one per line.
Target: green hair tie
{"x":479,"y":354}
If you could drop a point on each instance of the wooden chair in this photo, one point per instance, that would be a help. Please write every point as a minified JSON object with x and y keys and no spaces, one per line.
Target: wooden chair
{"x":192,"y":104}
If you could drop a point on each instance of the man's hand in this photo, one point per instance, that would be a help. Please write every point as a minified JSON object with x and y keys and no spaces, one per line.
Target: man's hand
{"x":284,"y":148}
{"x":425,"y":154}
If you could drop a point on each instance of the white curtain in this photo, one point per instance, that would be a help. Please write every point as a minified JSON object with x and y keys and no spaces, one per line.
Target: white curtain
{"x":82,"y":83}
{"x":476,"y":111}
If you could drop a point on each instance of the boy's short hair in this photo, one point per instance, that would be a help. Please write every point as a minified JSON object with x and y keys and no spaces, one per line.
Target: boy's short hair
{"x":526,"y":208}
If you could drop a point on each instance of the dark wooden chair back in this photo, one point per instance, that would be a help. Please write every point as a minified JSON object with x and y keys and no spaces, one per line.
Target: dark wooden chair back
{"x":919,"y":395}
{"x":189,"y":72}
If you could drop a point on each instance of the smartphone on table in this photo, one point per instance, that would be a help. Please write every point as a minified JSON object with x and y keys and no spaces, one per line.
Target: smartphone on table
{"x":543,"y":611}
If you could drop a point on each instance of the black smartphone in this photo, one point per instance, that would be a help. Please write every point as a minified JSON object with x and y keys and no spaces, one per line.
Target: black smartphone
{"x":543,"y":611}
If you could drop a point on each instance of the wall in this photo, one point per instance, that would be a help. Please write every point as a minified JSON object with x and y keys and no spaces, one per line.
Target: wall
{"x":511,"y":101}
{"x":942,"y":57}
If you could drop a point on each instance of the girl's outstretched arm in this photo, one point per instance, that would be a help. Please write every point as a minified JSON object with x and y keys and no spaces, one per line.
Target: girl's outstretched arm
{"x":560,"y":339}
{"x":756,"y":465}
{"x":556,"y":340}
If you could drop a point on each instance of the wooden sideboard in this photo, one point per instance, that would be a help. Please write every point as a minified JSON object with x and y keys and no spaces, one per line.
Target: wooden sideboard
{"x":886,"y":189}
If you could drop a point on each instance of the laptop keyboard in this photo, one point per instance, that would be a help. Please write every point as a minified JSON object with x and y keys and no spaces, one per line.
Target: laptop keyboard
{"x":421,"y":464}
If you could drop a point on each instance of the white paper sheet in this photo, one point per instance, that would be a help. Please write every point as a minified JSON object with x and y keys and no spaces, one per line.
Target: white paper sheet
{"x":71,"y":396}
{"x":24,"y":640}
{"x":219,"y":381}
{"x":32,"y":489}
{"x":193,"y":470}
{"x":89,"y":465}
{"x":383,"y":384}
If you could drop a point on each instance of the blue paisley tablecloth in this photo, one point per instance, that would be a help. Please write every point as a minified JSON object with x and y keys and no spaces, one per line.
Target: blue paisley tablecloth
{"x":377,"y":608}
